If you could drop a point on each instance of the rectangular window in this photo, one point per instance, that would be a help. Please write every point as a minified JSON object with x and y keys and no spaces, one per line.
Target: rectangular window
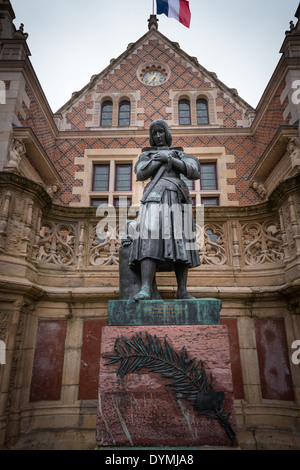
{"x":123,"y":177}
{"x":122,"y":201}
{"x":208,"y":176}
{"x":210,"y":201}
{"x":103,"y":201}
{"x":101,"y":178}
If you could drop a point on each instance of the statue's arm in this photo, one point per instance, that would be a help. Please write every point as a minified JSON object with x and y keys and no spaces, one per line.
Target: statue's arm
{"x":146,"y":167}
{"x":191,"y":166}
{"x":179,"y":165}
{"x":171,"y":159}
{"x":149,"y":163}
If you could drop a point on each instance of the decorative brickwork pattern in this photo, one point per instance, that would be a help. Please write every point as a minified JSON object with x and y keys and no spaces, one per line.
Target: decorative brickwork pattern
{"x":35,"y":118}
{"x":242,"y":147}
{"x":270,"y":122}
{"x":68,"y":150}
{"x":154,"y":100}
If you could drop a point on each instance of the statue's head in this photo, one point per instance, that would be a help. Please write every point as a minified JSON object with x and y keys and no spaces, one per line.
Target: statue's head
{"x":164,"y":125}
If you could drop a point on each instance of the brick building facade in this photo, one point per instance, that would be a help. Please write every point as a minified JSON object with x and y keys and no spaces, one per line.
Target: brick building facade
{"x":56,"y":275}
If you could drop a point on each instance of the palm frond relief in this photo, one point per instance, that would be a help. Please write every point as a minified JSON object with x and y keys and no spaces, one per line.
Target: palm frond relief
{"x":188,"y":376}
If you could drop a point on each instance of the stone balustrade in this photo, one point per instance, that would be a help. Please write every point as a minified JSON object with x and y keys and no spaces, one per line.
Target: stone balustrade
{"x":245,"y":244}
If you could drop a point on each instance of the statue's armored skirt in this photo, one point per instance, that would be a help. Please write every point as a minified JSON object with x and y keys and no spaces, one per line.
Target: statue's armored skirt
{"x":165,"y":228}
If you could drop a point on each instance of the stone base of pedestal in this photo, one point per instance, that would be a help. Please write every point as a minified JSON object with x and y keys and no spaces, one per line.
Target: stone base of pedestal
{"x":140,"y":410}
{"x":164,"y":312}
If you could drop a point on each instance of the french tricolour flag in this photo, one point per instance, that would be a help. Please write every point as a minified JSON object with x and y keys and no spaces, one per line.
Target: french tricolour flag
{"x":178,"y":9}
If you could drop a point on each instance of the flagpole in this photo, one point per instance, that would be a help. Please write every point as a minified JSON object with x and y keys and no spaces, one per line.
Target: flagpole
{"x":152,"y":7}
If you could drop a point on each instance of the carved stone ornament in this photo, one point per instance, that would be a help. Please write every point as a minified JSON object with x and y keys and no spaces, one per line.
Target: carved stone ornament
{"x":17,"y":150}
{"x":52,"y":189}
{"x":260,"y":189}
{"x":19,"y":34}
{"x":153,"y":23}
{"x":293,"y":148}
{"x":211,"y":244}
{"x":56,"y":244}
{"x":104,"y":250}
{"x":262,"y":242}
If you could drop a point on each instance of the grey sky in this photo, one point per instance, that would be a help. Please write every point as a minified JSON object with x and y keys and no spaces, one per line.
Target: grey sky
{"x":71,"y":40}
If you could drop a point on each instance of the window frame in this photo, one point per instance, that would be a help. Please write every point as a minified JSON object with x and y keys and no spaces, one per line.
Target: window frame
{"x":204,"y":101}
{"x":214,"y":165}
{"x":210,"y":197}
{"x":122,"y":102}
{"x":105,"y":102}
{"x":129,"y":201}
{"x":180,"y":102}
{"x":117,"y":166}
{"x":112,"y":191}
{"x":94,"y":199}
{"x":97,"y":165}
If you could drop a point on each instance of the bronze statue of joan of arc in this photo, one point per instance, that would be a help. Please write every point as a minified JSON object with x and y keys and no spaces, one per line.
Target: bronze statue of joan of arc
{"x":165,"y":222}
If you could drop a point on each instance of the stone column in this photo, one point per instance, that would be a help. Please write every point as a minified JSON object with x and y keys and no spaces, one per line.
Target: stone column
{"x":249,"y":361}
{"x":9,"y":322}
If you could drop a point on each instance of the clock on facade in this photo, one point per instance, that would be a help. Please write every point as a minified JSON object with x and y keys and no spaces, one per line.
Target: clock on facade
{"x":153,"y":76}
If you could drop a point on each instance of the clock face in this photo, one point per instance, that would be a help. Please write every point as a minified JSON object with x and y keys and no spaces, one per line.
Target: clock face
{"x":153,"y":77}
{"x":153,"y":73}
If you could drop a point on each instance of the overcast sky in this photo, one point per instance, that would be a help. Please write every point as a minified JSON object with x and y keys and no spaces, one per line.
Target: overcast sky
{"x":71,"y":40}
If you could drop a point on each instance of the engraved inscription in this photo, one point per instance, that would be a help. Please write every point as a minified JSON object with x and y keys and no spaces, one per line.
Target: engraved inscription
{"x":167,"y":312}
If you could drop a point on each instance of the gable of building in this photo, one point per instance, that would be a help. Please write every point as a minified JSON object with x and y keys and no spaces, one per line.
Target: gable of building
{"x":185,"y":78}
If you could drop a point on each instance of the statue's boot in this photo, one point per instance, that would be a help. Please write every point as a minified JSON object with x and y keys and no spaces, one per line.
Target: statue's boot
{"x":148,"y":267}
{"x":181,"y":275}
{"x":184,"y":296}
{"x":144,"y":294}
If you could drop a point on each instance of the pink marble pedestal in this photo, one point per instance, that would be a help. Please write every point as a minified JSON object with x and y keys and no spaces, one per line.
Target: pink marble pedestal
{"x":139,"y":410}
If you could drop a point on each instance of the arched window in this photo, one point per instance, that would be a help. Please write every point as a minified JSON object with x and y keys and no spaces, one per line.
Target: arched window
{"x":124,"y":113}
{"x":106,"y":113}
{"x":184,"y":113}
{"x":202,"y":112}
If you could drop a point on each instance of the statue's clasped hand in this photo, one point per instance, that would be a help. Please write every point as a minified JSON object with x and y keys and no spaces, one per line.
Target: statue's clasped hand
{"x":162,"y":157}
